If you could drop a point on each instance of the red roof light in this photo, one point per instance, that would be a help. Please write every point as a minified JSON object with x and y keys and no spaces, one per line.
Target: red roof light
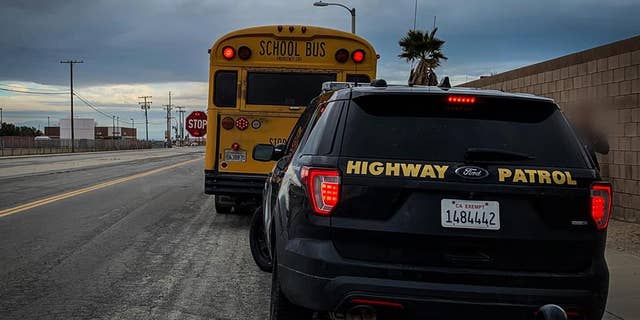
{"x":228,"y":52}
{"x":357,"y":56}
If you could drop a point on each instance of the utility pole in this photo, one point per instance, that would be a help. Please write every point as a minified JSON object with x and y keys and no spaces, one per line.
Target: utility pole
{"x":71,"y":63}
{"x":48,"y":121}
{"x":145,"y":106}
{"x":118,"y":126}
{"x":168,"y":134}
{"x":181,"y":112}
{"x":1,"y":120}
{"x":113,"y":128}
{"x":132,"y":124}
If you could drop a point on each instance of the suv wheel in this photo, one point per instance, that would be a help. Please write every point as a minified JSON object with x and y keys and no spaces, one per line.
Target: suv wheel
{"x":258,"y":242}
{"x":222,"y":207}
{"x":281,"y":307}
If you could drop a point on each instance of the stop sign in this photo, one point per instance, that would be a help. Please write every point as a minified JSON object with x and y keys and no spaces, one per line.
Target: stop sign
{"x":196,"y":123}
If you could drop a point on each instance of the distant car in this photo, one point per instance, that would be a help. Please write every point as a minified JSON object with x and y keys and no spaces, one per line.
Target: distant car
{"x":42,"y":138}
{"x":433,"y":203}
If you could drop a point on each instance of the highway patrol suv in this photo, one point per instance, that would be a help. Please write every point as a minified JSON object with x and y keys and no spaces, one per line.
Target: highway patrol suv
{"x":394,"y":202}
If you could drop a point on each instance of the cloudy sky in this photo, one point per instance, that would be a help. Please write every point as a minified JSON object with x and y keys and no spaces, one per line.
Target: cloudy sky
{"x":148,"y":47}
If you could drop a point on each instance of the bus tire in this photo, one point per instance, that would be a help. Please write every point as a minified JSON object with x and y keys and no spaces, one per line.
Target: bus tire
{"x":221,"y":207}
{"x":258,"y":242}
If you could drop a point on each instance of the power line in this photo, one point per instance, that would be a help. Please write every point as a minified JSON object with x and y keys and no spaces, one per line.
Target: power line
{"x":108,"y":115}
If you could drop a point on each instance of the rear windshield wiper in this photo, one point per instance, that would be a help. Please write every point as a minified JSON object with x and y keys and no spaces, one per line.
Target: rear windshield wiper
{"x":491,"y":155}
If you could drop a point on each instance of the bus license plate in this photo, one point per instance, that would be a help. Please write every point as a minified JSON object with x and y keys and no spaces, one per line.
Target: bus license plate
{"x":235,"y":156}
{"x":470,"y":214}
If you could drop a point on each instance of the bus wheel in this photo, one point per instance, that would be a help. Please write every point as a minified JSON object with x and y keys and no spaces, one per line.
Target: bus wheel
{"x":258,"y":242}
{"x":222,"y":207}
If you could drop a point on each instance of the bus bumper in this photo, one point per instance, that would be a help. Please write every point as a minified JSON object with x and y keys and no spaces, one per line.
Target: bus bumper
{"x":233,"y":183}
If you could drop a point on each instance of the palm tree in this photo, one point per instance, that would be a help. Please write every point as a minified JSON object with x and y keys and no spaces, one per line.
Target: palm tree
{"x":427,"y":49}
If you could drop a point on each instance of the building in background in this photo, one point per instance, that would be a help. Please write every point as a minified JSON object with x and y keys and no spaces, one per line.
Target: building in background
{"x":601,"y":85}
{"x":116,"y":133}
{"x":84,"y":128}
{"x":52,"y":132}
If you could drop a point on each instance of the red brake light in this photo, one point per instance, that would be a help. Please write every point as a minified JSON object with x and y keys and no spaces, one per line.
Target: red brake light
{"x":357,"y":56}
{"x":227,"y":123}
{"x":461,"y":99}
{"x":235,"y":146}
{"x":324,"y":188}
{"x":242,"y":123}
{"x":601,"y":204}
{"x":228,"y":52}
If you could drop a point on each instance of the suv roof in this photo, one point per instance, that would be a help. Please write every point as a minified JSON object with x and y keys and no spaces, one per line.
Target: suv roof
{"x":365,"y":89}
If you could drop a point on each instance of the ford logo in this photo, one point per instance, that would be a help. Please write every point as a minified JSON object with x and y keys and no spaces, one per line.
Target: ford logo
{"x":470,"y":172}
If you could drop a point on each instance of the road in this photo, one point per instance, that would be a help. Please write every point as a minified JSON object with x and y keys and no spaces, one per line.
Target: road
{"x":150,"y":247}
{"x":130,"y":235}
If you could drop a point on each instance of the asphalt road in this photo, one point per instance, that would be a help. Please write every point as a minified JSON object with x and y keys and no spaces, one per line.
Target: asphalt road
{"x":150,"y":247}
{"x":130,"y":235}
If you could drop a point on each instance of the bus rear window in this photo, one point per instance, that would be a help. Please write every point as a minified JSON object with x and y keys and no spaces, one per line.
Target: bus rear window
{"x":225,"y":90}
{"x":284,"y":89}
{"x":427,"y":127}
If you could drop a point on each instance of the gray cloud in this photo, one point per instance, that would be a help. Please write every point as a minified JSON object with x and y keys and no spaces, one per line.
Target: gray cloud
{"x":147,"y":41}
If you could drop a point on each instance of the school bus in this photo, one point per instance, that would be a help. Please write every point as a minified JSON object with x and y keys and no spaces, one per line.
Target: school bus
{"x":260,"y":81}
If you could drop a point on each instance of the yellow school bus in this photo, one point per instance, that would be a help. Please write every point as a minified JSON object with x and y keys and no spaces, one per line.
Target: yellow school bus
{"x":260,"y":81}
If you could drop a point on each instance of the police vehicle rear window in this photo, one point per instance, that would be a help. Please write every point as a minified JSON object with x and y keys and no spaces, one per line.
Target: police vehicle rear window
{"x":430,"y":127}
{"x":284,"y":89}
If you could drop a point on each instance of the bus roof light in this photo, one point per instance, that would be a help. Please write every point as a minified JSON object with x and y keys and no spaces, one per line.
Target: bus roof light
{"x":228,"y":52}
{"x":358,"y":56}
{"x":342,"y":55}
{"x":244,"y":53}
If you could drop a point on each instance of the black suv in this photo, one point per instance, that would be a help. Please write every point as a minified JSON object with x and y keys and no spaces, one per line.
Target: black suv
{"x":395,"y":202}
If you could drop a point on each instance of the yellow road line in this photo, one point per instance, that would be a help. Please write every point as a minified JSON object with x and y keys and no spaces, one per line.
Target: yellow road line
{"x":41,"y":202}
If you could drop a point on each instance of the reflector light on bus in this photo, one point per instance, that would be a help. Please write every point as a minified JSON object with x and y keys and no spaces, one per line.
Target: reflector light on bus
{"x":228,"y":52}
{"x":235,"y":146}
{"x":242,"y":123}
{"x":461,"y":99}
{"x":342,"y":55}
{"x":244,"y":53}
{"x":227,"y":123}
{"x":357,"y":56}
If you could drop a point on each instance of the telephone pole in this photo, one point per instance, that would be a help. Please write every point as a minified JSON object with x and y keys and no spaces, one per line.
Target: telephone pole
{"x":145,"y":106}
{"x":71,"y":63}
{"x":181,"y":112}
{"x":168,"y":134}
{"x":113,"y":129}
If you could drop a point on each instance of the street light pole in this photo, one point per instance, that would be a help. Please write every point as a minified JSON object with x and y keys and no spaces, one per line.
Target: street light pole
{"x":1,"y":120}
{"x":351,"y":10}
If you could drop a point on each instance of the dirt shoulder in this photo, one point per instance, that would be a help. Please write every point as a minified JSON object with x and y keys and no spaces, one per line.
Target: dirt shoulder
{"x":624,"y":237}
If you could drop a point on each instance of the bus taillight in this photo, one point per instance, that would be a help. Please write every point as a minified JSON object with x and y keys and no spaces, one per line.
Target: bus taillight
{"x":227,"y":123}
{"x":357,"y":56}
{"x":244,"y":53}
{"x":242,"y":123}
{"x":228,"y":52}
{"x":342,"y":55}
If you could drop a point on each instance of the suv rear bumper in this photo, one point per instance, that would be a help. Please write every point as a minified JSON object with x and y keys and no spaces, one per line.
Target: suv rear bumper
{"x":306,"y":267}
{"x":233,"y":183}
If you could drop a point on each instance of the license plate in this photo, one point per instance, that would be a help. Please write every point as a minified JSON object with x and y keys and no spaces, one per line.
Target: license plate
{"x":235,"y":156}
{"x":470,"y":214}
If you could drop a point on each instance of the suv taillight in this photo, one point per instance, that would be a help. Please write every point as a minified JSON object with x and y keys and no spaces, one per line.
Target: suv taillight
{"x":601,"y":204}
{"x":324,"y":188}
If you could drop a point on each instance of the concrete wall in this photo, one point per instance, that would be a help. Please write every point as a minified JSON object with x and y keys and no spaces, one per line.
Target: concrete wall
{"x":605,"y":83}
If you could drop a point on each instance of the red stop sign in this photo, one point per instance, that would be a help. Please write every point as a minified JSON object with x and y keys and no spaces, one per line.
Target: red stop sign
{"x":196,"y":124}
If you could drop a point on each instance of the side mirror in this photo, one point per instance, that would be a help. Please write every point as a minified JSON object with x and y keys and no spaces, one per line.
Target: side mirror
{"x":263,"y":152}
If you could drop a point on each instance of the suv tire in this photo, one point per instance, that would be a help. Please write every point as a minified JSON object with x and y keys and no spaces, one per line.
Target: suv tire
{"x":281,"y":307}
{"x":258,"y":242}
